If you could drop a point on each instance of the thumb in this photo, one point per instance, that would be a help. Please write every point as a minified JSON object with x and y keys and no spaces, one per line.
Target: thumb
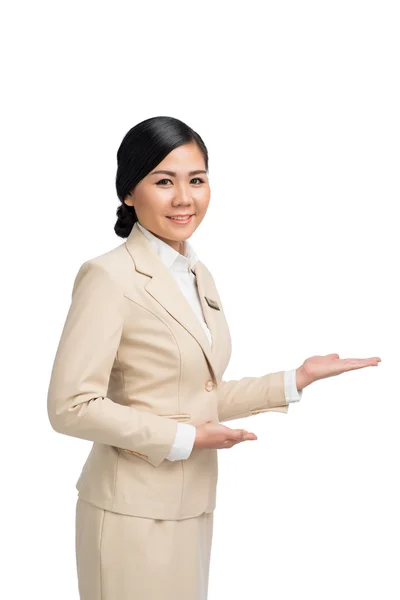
{"x":236,"y":434}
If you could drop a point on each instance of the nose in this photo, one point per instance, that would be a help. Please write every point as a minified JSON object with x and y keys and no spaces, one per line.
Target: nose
{"x":183,"y":195}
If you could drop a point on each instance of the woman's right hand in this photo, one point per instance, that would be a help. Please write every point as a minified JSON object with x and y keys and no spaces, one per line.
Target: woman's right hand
{"x":215,"y":435}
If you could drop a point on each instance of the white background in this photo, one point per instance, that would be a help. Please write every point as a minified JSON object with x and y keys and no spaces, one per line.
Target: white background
{"x":298,"y":104}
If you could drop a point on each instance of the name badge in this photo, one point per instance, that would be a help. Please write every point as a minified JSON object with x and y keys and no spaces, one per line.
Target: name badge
{"x":212,"y":303}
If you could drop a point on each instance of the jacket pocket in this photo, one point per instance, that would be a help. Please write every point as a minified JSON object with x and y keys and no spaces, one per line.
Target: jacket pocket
{"x":134,"y":452}
{"x":177,"y":416}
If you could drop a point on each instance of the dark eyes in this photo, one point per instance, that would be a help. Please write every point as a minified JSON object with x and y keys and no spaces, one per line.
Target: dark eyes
{"x":162,"y":181}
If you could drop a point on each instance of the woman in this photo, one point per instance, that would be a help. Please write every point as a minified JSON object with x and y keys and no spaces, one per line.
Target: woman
{"x":138,"y":371}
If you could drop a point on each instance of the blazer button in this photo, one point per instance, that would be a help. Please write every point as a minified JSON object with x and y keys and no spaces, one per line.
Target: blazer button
{"x":209,"y":385}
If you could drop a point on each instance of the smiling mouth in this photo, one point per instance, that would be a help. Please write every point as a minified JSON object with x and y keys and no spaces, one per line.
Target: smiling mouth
{"x":181,"y":219}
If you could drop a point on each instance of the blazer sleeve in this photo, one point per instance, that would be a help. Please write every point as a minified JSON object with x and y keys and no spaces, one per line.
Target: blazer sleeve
{"x":251,"y":396}
{"x":77,"y":401}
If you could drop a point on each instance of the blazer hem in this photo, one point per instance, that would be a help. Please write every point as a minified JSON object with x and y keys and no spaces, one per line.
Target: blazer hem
{"x":138,"y":510}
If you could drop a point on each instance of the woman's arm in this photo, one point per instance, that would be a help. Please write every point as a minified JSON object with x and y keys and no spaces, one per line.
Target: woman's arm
{"x":77,"y":400}
{"x":248,"y":396}
{"x":253,"y":395}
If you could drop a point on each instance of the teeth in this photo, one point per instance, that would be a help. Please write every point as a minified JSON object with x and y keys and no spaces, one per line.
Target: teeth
{"x":179,"y":218}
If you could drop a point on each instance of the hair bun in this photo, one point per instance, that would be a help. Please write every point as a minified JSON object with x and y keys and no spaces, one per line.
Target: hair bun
{"x":125,"y":221}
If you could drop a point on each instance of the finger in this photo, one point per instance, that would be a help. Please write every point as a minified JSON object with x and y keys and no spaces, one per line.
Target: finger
{"x":250,"y":436}
{"x":229,"y":443}
{"x":236,"y":434}
{"x":372,"y":358}
{"x":246,"y":438}
{"x":332,"y":355}
{"x":351,"y":364}
{"x":363,"y":361}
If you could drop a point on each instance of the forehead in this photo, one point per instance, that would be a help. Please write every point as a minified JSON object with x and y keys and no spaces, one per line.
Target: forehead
{"x":183,"y":158}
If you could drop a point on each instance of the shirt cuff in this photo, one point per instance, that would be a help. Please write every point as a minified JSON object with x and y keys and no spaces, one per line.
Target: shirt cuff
{"x":291,"y":392}
{"x":183,"y":443}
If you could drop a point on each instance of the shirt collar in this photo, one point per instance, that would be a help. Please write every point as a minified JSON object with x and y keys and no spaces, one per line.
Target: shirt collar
{"x":171,"y":258}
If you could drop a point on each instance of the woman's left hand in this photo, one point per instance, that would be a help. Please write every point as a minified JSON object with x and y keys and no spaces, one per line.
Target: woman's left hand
{"x":320,"y":367}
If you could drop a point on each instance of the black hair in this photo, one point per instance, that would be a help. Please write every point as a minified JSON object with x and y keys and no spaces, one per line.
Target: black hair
{"x":141,"y":150}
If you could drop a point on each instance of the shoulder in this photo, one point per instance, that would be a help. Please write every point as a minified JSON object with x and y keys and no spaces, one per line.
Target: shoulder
{"x":104,"y":270}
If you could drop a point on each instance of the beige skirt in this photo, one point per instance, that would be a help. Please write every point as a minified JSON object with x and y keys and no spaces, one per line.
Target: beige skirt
{"x":121,"y":557}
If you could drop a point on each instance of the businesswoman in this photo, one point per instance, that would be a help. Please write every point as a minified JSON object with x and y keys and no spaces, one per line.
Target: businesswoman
{"x":138,"y":372}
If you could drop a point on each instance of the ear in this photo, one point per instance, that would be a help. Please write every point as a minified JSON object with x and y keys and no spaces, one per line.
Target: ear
{"x":128,"y":200}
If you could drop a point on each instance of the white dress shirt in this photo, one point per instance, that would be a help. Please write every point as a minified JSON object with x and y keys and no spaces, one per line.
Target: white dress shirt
{"x":180,"y":268}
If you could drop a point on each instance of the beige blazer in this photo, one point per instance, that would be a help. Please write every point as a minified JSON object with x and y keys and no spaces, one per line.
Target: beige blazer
{"x":132,"y":361}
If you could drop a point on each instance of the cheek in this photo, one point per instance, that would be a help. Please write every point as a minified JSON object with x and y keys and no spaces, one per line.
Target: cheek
{"x":202,"y":198}
{"x":157,"y":201}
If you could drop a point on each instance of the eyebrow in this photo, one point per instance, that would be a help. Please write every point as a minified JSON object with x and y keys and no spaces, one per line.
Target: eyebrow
{"x":173,"y":174}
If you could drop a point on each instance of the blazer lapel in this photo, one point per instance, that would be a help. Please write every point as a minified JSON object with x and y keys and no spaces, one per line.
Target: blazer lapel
{"x":205,"y":289}
{"x":163,"y":288}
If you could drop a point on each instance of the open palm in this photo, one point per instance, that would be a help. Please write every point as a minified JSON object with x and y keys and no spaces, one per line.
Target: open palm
{"x":319,"y":367}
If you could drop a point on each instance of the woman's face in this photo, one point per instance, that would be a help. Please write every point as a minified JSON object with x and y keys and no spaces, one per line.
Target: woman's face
{"x":183,"y":190}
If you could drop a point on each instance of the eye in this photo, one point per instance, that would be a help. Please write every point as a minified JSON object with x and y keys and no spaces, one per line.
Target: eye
{"x":163,"y":181}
